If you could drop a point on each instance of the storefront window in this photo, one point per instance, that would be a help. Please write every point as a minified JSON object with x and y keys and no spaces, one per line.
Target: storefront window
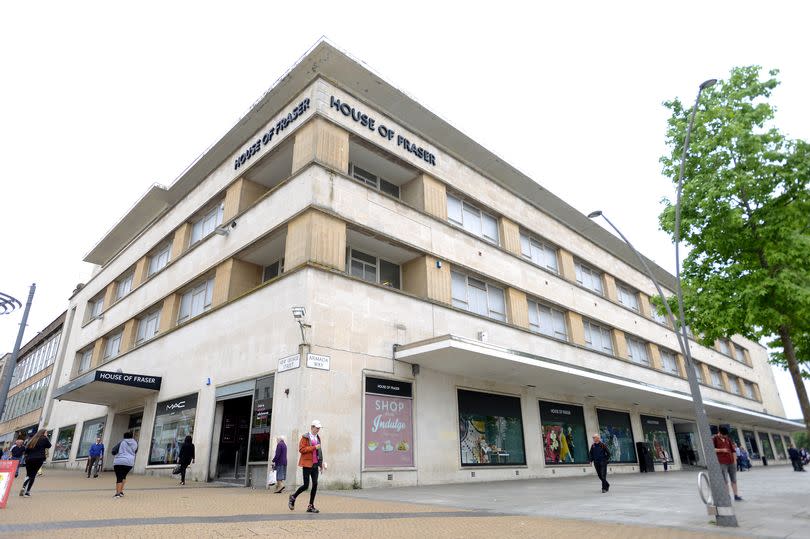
{"x":656,"y":436}
{"x":616,"y":433}
{"x":778,"y":446}
{"x":734,"y":434}
{"x":490,"y":429}
{"x":64,"y":441}
{"x":388,"y":428}
{"x":767,"y":450}
{"x":90,"y":430}
{"x":751,"y":444}
{"x":564,"y":439}
{"x":173,"y":422}
{"x":260,"y":425}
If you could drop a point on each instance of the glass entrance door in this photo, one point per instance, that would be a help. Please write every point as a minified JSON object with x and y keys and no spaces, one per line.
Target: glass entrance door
{"x":233,"y":439}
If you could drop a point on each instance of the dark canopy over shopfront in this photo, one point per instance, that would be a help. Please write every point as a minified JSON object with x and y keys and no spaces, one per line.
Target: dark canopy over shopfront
{"x":108,"y":388}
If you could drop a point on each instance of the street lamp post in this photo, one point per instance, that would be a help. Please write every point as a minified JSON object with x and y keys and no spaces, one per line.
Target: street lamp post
{"x":724,"y":512}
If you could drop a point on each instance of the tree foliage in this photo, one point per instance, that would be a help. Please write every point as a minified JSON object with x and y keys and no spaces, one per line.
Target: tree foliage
{"x":745,"y":216}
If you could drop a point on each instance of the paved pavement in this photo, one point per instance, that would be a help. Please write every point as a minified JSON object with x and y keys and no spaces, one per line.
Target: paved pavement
{"x":776,"y":500}
{"x":66,"y":504}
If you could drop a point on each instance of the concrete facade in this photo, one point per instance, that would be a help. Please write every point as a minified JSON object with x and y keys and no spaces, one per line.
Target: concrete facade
{"x":299,"y":198}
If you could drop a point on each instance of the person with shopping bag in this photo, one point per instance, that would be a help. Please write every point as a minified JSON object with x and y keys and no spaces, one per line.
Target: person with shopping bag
{"x":280,"y":464}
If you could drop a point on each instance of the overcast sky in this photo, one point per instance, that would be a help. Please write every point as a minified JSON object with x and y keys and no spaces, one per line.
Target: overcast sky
{"x":101,"y":99}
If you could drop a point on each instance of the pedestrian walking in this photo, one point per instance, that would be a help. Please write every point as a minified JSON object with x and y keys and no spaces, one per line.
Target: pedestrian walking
{"x":34,"y":458}
{"x":311,"y":460}
{"x":94,"y":457}
{"x":280,"y":464}
{"x":17,"y":453}
{"x":795,"y":459}
{"x":664,"y":457}
{"x":600,"y":456}
{"x":185,"y":458}
{"x":725,"y":449}
{"x":124,"y":452}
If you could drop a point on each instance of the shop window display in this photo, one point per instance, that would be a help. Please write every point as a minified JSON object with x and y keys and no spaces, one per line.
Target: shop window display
{"x":90,"y":430}
{"x":262,"y":414}
{"x":490,"y":429}
{"x":778,"y":446}
{"x":765,"y":441}
{"x":173,"y":422}
{"x":64,"y":441}
{"x":751,"y":444}
{"x":617,"y":434}
{"x":656,"y":436}
{"x":564,"y":438}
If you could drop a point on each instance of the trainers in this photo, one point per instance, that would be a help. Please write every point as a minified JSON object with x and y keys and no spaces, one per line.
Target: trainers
{"x":22,"y":491}
{"x":118,"y":495}
{"x":738,"y":498}
{"x":311,"y":509}
{"x":291,"y":503}
{"x":27,"y":495}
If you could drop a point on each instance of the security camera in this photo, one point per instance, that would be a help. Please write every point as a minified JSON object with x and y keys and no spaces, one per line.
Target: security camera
{"x":299,"y":313}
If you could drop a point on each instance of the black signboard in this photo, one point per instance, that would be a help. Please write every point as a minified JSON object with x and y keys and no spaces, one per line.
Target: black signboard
{"x":127,"y":379}
{"x":177,"y":405}
{"x":381,"y":386}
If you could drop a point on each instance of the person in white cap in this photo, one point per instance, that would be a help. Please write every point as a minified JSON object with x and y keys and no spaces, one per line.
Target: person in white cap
{"x":311,"y":461}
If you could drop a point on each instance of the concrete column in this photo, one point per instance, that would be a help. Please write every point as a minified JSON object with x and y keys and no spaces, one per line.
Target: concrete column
{"x":315,"y":237}
{"x":426,"y":194}
{"x":610,"y":287}
{"x":128,"y":336}
{"x":239,"y":196}
{"x":707,"y":376}
{"x":180,"y":241}
{"x":741,"y":385}
{"x":567,"y":266}
{"x":510,"y":235}
{"x":109,"y":295}
{"x":747,"y":358}
{"x":575,"y":328}
{"x":681,"y":366}
{"x":169,"y":312}
{"x":644,"y":305}
{"x":619,"y":344}
{"x":517,"y":308}
{"x":323,"y":142}
{"x":141,"y":269}
{"x":98,"y":353}
{"x":757,"y":394}
{"x":724,"y":378}
{"x":655,"y":356}
{"x":234,"y":278}
{"x":423,"y":278}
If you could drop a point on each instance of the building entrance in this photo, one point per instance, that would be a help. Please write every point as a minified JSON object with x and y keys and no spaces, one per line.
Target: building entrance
{"x":233,"y":439}
{"x":686,"y":436}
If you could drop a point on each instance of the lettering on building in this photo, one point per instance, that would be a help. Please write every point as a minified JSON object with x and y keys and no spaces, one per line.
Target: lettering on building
{"x":267,"y":137}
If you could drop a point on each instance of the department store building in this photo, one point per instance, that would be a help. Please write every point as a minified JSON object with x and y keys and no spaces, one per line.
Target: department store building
{"x":460,"y":322}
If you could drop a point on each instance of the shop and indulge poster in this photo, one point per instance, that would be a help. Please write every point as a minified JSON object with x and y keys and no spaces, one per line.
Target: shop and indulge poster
{"x":388,"y":429}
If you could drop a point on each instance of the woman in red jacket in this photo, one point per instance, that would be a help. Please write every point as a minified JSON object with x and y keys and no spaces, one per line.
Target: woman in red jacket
{"x":311,"y":460}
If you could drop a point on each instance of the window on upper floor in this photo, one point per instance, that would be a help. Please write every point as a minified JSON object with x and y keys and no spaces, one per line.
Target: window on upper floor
{"x":724,"y":348}
{"x":373,"y":269}
{"x":589,"y":277}
{"x":699,"y":373}
{"x":539,"y":252}
{"x":717,"y":378}
{"x":627,"y":296}
{"x":112,"y":345}
{"x":659,"y":317}
{"x":739,"y":354}
{"x":196,"y":300}
{"x":273,"y":270}
{"x":159,"y":259}
{"x":547,"y":320}
{"x":124,"y":285}
{"x":148,"y":327}
{"x":372,"y":180}
{"x":478,"y":296}
{"x":637,"y":350}
{"x":598,"y":337}
{"x":205,"y":224}
{"x":472,"y":219}
{"x":669,"y":362}
{"x":734,"y":385}
{"x":95,"y":307}
{"x":85,"y":360}
{"x":749,"y":389}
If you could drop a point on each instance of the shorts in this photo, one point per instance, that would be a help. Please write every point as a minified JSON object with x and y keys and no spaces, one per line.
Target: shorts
{"x":121,"y":472}
{"x":729,"y":471}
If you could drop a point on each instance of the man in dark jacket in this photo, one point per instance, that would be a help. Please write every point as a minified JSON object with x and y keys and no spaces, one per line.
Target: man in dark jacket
{"x":17,"y":453}
{"x":600,"y":456}
{"x":795,"y":459}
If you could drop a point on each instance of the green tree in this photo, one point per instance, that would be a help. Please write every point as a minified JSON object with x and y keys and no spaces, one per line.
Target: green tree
{"x":745,"y":217}
{"x":801,"y":439}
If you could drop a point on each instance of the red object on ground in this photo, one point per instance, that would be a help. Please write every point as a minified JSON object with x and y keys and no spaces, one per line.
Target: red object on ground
{"x":7,"y":469}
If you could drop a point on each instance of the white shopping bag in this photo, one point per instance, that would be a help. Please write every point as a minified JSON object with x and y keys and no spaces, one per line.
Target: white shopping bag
{"x":271,"y":477}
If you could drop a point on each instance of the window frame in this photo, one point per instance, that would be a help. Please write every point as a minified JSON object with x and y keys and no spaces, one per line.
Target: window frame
{"x":664,"y":352}
{"x":466,"y":303}
{"x":155,"y":265}
{"x":587,"y":324}
{"x":373,"y":180}
{"x":643,"y":349}
{"x":547,"y":250}
{"x":581,"y":268}
{"x":128,"y":278}
{"x":632,"y":295}
{"x":537,"y":307}
{"x":216,"y":214}
{"x":377,"y":264}
{"x":86,"y":353}
{"x":117,"y":336}
{"x":202,"y":287}
{"x":143,"y":322}
{"x":472,"y":208}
